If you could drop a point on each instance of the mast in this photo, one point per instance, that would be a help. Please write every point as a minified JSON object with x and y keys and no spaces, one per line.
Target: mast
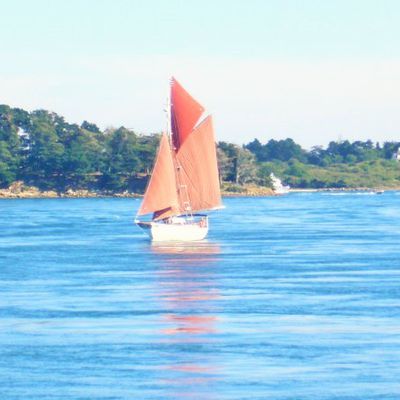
{"x":168,"y":115}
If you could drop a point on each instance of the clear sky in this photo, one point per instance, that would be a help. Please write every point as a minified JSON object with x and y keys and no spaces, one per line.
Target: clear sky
{"x":313,"y":70}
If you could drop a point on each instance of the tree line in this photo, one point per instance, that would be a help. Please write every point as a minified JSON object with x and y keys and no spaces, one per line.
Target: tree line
{"x":41,"y":149}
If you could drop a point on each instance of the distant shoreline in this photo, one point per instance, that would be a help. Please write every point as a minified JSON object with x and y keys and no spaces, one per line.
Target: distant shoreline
{"x":252,"y":191}
{"x":18,"y":190}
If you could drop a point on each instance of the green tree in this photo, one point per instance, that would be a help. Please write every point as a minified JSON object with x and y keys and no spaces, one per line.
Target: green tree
{"x":238,"y":163}
{"x":389,"y":148}
{"x":224,"y":165}
{"x":82,"y":160}
{"x":44,"y":161}
{"x":260,"y":151}
{"x":228,"y":153}
{"x":245,"y":167}
{"x":122,"y":159}
{"x":9,"y":148}
{"x":146,"y":149}
{"x":90,"y":127}
{"x":7,"y":165}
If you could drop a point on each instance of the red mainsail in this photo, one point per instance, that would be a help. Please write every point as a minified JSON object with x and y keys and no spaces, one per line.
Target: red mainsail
{"x":161,"y":195}
{"x":185,"y":113}
{"x":198,"y":168}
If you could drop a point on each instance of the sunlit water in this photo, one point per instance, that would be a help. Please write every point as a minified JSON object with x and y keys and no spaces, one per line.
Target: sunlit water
{"x":294,"y":297}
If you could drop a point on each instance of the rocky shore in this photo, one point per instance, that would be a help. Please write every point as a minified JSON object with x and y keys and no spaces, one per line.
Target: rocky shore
{"x":18,"y":190}
{"x":246,"y":191}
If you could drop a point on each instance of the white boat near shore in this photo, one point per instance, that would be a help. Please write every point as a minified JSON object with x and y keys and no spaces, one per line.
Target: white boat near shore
{"x":277,"y":185}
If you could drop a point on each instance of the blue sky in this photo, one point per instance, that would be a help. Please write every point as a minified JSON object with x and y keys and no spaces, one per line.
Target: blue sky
{"x":311,"y":70}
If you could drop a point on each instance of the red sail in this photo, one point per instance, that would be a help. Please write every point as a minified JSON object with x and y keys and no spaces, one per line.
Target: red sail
{"x":185,"y":112}
{"x":198,"y":169}
{"x":161,"y":195}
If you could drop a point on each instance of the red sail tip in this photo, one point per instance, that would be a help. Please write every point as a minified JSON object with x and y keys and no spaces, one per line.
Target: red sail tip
{"x":185,"y":113}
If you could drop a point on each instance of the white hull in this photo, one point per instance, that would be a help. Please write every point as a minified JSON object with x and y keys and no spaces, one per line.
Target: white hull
{"x":188,"y":231}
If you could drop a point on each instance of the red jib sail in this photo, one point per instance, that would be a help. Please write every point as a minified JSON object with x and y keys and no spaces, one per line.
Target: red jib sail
{"x":185,"y":113}
{"x":198,"y":168}
{"x":161,"y":195}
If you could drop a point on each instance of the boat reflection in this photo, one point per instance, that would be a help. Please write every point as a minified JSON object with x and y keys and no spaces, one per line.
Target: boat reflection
{"x":187,"y":290}
{"x":193,"y":248}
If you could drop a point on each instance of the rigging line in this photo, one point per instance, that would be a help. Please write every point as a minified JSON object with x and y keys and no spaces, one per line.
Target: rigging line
{"x":177,"y":165}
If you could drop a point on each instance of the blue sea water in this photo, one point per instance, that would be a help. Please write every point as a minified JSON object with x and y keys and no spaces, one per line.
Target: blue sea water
{"x":294,"y":297}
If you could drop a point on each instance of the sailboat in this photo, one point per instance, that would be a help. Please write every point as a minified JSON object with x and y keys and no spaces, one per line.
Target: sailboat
{"x":184,"y":183}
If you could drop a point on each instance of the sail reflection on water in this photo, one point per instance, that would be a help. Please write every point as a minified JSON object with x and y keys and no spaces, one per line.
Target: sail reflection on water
{"x":204,"y":247}
{"x":188,"y":293}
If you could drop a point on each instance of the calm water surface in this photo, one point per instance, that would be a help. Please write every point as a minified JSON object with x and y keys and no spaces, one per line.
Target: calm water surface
{"x":295,"y":297}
